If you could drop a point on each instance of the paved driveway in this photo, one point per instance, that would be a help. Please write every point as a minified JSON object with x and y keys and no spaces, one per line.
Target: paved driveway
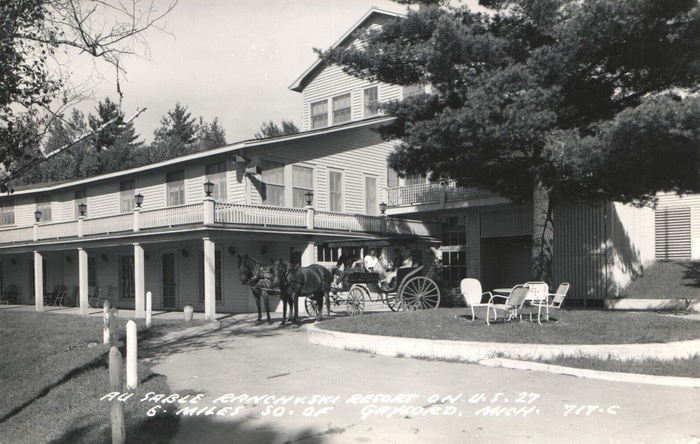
{"x":267,"y":377}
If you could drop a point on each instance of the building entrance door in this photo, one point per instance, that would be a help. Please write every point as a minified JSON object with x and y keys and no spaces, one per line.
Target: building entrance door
{"x":169,"y":280}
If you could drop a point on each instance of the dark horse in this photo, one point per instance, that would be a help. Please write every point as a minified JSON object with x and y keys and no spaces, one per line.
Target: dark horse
{"x":258,"y":277}
{"x":314,"y":280}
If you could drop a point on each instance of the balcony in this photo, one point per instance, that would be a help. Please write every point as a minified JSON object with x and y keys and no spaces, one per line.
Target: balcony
{"x":217,"y":214}
{"x":430,"y":193}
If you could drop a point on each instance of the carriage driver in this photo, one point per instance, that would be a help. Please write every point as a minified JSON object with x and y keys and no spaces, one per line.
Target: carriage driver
{"x":349,"y":261}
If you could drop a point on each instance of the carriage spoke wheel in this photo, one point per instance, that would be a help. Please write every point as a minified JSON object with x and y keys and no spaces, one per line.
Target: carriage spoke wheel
{"x":311,"y":307}
{"x":393,"y":301}
{"x":356,"y":301}
{"x":420,"y":293}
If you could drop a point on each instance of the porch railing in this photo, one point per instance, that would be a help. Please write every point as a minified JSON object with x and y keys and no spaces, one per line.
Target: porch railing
{"x":259,"y":215}
{"x":423,"y":193}
{"x":172,"y":216}
{"x":58,"y":230}
{"x":108,"y":224}
{"x":218,"y":213}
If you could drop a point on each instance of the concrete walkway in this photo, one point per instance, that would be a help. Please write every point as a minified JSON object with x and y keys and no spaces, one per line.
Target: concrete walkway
{"x":240,"y":358}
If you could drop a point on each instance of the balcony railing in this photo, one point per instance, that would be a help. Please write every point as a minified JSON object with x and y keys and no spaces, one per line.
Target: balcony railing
{"x":208,"y":213}
{"x":424,"y":193}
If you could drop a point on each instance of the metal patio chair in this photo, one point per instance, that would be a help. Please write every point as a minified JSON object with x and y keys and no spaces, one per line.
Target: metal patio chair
{"x":553,"y":300}
{"x":471,"y":291}
{"x":9,"y":296}
{"x":511,"y":304}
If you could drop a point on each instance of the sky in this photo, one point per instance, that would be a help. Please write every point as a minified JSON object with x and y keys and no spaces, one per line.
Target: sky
{"x":231,"y":59}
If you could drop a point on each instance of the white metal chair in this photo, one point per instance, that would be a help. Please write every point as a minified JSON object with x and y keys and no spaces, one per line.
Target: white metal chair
{"x":471,"y":291}
{"x":553,"y":300}
{"x":539,"y":292}
{"x":511,"y":304}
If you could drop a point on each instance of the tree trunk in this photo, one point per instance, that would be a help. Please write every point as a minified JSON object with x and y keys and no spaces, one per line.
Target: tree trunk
{"x":542,"y":233}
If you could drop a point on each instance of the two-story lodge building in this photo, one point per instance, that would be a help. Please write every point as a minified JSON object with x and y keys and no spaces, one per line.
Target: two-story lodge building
{"x":155,"y":229}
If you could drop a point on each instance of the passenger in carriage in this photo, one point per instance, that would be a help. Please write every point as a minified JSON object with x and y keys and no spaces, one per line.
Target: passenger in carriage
{"x":350,"y":262}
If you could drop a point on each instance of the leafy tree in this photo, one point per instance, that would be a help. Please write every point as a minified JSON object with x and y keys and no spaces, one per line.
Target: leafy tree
{"x":544,"y":100}
{"x":34,"y":91}
{"x":271,"y":129}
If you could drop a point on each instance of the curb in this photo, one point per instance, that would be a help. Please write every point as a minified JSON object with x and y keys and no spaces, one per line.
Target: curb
{"x":691,"y":305}
{"x":637,"y":378}
{"x":472,"y":351}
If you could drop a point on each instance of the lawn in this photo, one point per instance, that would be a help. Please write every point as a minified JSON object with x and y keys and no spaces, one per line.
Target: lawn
{"x":677,"y":367}
{"x":666,"y":280}
{"x":53,"y":373}
{"x":566,"y":327}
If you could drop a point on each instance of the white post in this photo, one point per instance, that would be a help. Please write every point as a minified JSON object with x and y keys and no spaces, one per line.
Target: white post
{"x":209,"y":210}
{"x":105,"y":318}
{"x":36,"y":231}
{"x":139,"y":282}
{"x":137,"y":219}
{"x":309,"y":217}
{"x":83,"y":280}
{"x":307,"y":256}
{"x":81,"y":220}
{"x":383,"y":223}
{"x":38,"y":281}
{"x":131,"y":356}
{"x":209,"y":279}
{"x":149,"y":308}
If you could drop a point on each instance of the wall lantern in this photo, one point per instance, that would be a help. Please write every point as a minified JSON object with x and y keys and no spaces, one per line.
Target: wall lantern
{"x":208,"y":188}
{"x":105,"y":258}
{"x":82,"y":208}
{"x":184,"y":253}
{"x":138,"y":199}
{"x":232,"y":250}
{"x":309,"y":196}
{"x":37,"y":215}
{"x":382,"y":207}
{"x":69,"y":259}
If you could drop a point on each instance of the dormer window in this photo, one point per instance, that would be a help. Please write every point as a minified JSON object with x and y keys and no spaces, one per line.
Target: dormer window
{"x":371,"y":101}
{"x":319,"y":114}
{"x":341,"y":109}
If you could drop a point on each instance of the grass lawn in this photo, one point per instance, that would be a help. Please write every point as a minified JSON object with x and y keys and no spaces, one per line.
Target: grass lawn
{"x":666,"y":280}
{"x":566,"y":327}
{"x":53,"y":373}
{"x":678,"y":367}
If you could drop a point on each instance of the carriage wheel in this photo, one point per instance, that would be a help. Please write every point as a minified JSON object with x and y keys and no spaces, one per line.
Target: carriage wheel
{"x":356,"y":301}
{"x":311,"y":307}
{"x":419,"y":293}
{"x":393,"y":301}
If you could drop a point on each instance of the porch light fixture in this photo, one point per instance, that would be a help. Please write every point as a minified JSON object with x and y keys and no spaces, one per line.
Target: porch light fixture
{"x":184,"y":253}
{"x":208,"y":188}
{"x":138,"y":200}
{"x":37,"y":215}
{"x":382,"y":207}
{"x":309,"y":196}
{"x":82,"y":208}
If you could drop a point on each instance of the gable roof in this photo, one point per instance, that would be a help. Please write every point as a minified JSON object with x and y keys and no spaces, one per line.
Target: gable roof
{"x":231,"y":148}
{"x":304,"y":79}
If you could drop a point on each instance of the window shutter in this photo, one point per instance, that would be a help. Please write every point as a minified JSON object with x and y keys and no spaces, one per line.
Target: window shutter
{"x":673,"y":233}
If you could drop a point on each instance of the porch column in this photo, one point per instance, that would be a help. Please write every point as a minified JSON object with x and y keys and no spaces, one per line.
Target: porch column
{"x":209,"y":279}
{"x":139,"y":282}
{"x":38,"y":282}
{"x":83,"y":280}
{"x":308,"y":256}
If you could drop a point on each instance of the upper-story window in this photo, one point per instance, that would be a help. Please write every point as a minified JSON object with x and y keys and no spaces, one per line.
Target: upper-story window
{"x":273,"y":177}
{"x":342,"y":108}
{"x":176,"y":187}
{"x":216,"y":174}
{"x":7,"y":212}
{"x":302,"y":182}
{"x":80,"y":196}
{"x":319,"y":114}
{"x":392,"y":177}
{"x":371,"y":195}
{"x":43,"y":204}
{"x":127,"y":190}
{"x":335,"y":190}
{"x":414,"y":179}
{"x":371,"y":101}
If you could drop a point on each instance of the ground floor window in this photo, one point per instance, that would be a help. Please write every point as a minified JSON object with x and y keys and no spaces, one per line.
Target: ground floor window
{"x":126,"y":277}
{"x":325,"y":253}
{"x":217,"y":273}
{"x":92,"y":272}
{"x":453,"y":233}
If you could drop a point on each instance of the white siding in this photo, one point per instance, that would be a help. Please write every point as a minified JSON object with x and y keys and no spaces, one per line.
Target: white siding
{"x":103,"y":199}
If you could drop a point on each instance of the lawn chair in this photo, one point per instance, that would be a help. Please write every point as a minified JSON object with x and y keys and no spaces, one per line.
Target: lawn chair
{"x":59,"y":295}
{"x":511,"y":304}
{"x":95,"y":298}
{"x":50,"y":298}
{"x":9,"y":296}
{"x":471,"y":291}
{"x":553,"y":300}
